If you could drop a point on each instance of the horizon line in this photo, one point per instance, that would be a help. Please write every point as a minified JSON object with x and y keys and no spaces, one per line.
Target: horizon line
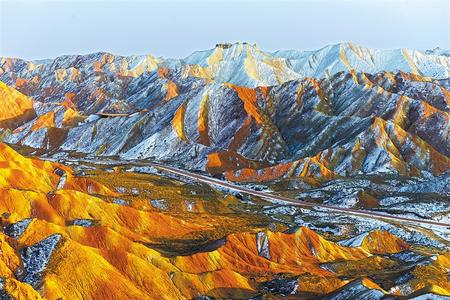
{"x":254,"y":44}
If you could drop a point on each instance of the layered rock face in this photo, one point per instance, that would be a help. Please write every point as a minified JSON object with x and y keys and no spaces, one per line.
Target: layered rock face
{"x":344,"y":125}
{"x":16,"y":107}
{"x":244,"y":113}
{"x":69,"y":236}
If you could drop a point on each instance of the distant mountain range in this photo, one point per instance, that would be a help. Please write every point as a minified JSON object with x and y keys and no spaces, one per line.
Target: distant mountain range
{"x":346,"y":127}
{"x":238,"y":111}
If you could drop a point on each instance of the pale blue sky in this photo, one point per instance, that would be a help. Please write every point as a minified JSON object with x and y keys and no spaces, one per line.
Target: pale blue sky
{"x":44,"y":29}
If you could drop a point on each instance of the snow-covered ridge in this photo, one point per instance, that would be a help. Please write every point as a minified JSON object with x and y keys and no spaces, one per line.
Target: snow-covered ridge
{"x":246,"y":65}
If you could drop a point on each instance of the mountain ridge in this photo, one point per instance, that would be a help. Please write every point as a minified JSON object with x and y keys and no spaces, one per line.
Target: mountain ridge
{"x":344,"y":126}
{"x":212,"y":108}
{"x":294,"y":64}
{"x":438,"y":51}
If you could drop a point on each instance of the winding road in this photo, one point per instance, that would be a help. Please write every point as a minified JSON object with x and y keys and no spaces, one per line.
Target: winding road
{"x":348,"y":211}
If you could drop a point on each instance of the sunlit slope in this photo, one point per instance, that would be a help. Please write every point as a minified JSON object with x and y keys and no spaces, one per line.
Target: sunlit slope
{"x":357,"y":124}
{"x":36,"y":124}
{"x":108,"y":82}
{"x":16,"y":108}
{"x":334,"y":124}
{"x":57,"y":227}
{"x":332,"y":59}
{"x":247,"y":65}
{"x":240,"y":112}
{"x":240,"y":63}
{"x":315,"y":128}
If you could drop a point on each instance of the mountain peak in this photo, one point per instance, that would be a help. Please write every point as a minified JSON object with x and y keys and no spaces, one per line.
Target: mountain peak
{"x":226,"y":45}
